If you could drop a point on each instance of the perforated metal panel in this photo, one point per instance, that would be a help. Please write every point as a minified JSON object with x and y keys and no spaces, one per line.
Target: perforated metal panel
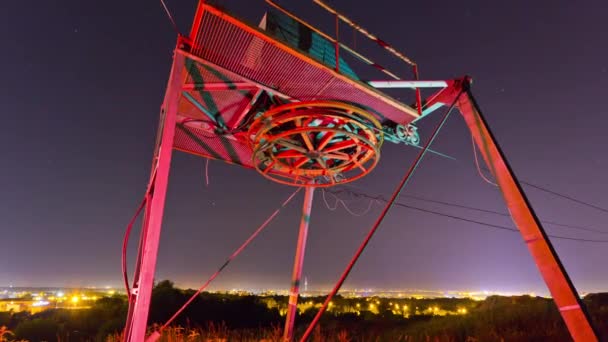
{"x":252,"y":53}
{"x":208,"y":144}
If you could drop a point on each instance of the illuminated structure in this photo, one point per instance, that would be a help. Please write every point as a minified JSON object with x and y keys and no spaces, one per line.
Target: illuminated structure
{"x":281,"y":99}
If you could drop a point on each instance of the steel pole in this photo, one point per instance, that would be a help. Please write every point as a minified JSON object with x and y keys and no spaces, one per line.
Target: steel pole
{"x":379,"y":220}
{"x":552,"y":270}
{"x":294,"y":292}
{"x":142,"y":290}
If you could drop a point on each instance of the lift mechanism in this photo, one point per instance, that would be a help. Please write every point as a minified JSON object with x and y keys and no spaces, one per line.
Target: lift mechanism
{"x":280,"y":98}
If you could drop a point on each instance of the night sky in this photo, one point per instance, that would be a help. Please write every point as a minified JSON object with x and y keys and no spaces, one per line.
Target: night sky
{"x":82,"y":83}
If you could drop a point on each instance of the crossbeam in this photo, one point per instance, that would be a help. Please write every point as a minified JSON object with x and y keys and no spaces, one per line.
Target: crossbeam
{"x":412,"y":84}
{"x":216,"y":86}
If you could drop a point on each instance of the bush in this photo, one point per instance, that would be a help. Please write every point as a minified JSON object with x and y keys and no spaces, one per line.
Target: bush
{"x":38,"y":329}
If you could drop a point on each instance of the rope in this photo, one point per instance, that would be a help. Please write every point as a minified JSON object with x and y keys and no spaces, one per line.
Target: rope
{"x":372,"y":231}
{"x":230,"y":258}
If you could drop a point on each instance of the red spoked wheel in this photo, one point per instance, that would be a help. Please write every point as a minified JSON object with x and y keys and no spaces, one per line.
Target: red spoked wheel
{"x":318,"y":143}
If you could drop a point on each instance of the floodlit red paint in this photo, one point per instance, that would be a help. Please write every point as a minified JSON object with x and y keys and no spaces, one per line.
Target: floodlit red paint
{"x":142,"y":289}
{"x":298,"y":264}
{"x":251,"y":74}
{"x":553,"y":272}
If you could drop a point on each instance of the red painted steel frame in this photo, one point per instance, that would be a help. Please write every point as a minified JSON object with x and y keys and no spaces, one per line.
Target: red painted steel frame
{"x":294,"y":292}
{"x":553,"y":272}
{"x":365,"y":92}
{"x":142,"y":289}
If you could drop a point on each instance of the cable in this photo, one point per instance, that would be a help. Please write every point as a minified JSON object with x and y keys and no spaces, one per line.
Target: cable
{"x":555,"y":193}
{"x":369,"y":207}
{"x":125,"y":244}
{"x":207,"y":172}
{"x":570,"y":198}
{"x":170,"y":17}
{"x":477,"y":164}
{"x":130,"y":298}
{"x":331,"y":208}
{"x":379,"y":221}
{"x":487,"y":211}
{"x":156,"y":334}
{"x":341,"y":201}
{"x":537,"y":187}
{"x":464,"y":219}
{"x":527,"y":183}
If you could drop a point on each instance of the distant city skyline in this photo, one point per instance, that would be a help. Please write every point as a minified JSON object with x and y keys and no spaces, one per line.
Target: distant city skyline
{"x":83,"y":86}
{"x":18,"y":292}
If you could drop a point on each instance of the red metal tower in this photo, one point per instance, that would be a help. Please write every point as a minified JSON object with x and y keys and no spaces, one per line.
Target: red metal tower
{"x":270,"y":98}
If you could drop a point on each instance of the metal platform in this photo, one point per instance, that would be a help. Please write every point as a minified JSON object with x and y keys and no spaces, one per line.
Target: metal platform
{"x":231,"y":64}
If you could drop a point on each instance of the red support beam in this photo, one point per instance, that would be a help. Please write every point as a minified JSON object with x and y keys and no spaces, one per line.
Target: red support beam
{"x":218,"y":86}
{"x":553,"y":272}
{"x":418,"y":95}
{"x":294,"y":292}
{"x":238,"y":119}
{"x":142,"y":289}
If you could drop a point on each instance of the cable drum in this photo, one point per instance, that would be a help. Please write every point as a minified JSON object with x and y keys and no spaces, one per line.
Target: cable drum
{"x":317,"y":143}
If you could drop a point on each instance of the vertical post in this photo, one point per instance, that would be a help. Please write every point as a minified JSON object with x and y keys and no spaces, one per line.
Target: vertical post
{"x":337,"y":43}
{"x":418,"y":96}
{"x":553,"y":272}
{"x":142,"y":290}
{"x":294,"y":292}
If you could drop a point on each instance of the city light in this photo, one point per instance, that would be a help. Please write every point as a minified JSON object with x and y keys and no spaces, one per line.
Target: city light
{"x":40,"y":303}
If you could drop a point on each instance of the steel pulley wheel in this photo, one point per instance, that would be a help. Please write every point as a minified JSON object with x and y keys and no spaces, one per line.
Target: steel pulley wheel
{"x":408,"y":134}
{"x":319,"y":143}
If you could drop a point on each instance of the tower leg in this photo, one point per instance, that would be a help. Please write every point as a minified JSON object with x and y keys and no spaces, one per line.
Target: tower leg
{"x":142,"y":289}
{"x":553,"y":272}
{"x":294,"y":292}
